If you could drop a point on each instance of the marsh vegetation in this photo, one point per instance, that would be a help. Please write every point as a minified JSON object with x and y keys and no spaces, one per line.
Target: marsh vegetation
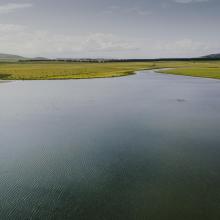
{"x":64,"y":70}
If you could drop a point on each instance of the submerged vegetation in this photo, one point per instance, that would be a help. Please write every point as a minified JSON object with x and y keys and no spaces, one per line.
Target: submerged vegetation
{"x":73,"y":70}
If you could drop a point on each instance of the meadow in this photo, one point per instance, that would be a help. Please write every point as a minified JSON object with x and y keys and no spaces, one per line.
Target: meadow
{"x":208,"y":72}
{"x":49,"y":70}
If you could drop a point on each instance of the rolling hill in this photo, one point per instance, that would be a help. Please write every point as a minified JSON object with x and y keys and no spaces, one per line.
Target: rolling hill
{"x":10,"y":57}
{"x":212,"y":56}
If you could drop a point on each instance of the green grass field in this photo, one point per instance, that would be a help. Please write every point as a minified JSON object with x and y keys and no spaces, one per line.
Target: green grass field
{"x":65,"y":70}
{"x":208,"y":72}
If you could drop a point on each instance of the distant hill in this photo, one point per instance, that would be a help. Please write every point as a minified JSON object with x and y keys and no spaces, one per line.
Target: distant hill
{"x":13,"y":58}
{"x":212,"y":56}
{"x":10,"y":57}
{"x":39,"y":58}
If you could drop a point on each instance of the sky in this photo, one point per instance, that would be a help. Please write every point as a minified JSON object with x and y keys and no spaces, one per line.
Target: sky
{"x":110,"y":29}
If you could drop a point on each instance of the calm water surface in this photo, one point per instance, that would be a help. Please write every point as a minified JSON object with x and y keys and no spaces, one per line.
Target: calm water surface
{"x":140,"y":147}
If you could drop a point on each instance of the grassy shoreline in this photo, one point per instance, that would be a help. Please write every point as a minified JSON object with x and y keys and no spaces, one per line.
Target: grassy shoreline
{"x":63,"y":70}
{"x":212,"y":73}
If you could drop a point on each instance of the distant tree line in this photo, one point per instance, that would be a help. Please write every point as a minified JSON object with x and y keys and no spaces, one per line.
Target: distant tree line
{"x":119,"y":60}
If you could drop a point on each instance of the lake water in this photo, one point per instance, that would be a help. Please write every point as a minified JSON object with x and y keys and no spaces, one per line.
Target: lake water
{"x":145,"y":146}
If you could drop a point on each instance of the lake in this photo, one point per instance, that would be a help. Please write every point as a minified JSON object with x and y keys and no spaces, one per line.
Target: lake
{"x":146,"y":146}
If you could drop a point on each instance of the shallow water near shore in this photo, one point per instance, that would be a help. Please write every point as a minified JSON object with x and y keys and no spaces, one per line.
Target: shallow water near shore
{"x":146,"y":146}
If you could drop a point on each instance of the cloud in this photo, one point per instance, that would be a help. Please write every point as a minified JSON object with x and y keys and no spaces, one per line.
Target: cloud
{"x":6,"y":28}
{"x":121,"y":10}
{"x":11,"y":7}
{"x":19,"y":39}
{"x":106,"y":42}
{"x":138,"y":11}
{"x":189,"y":1}
{"x":186,"y":47}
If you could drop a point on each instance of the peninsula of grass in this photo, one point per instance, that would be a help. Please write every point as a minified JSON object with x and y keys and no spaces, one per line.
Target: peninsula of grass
{"x":50,"y":70}
{"x":65,"y":70}
{"x":210,"y":72}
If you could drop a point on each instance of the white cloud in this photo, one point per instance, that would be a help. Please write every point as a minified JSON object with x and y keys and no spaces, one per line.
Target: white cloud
{"x":19,"y":39}
{"x":189,"y":1}
{"x":106,"y":42}
{"x":186,"y":48}
{"x":5,"y":28}
{"x":11,"y":7}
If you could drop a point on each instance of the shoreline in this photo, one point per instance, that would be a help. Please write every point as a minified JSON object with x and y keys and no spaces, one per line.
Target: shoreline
{"x":51,"y":71}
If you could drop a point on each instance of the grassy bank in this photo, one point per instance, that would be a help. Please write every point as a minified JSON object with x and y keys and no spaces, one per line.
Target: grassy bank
{"x":195,"y":72}
{"x":65,"y":70}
